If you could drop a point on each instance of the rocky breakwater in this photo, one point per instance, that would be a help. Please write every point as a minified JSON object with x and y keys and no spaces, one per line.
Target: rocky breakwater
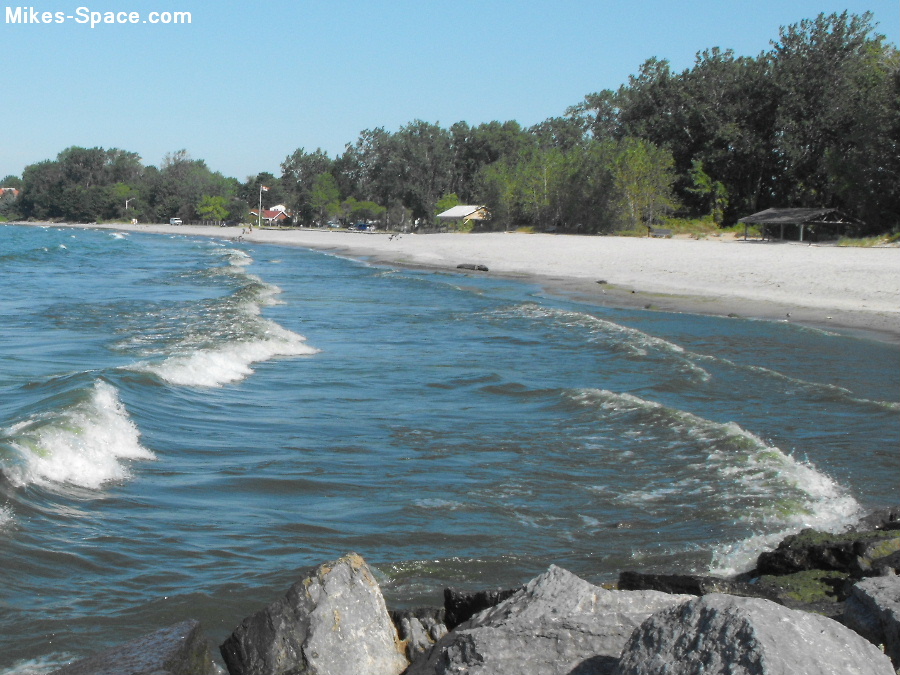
{"x":818,"y":604}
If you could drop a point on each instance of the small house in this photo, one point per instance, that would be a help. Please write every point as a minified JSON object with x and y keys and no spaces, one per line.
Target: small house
{"x":465,"y":213}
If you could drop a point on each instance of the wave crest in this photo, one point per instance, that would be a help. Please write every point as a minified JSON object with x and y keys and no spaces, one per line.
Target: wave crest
{"x":83,"y":444}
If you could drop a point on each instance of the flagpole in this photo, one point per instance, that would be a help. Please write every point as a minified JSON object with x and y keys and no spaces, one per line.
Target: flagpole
{"x":259,"y":212}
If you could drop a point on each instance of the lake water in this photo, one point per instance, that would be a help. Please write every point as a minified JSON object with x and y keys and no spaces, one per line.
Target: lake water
{"x":185,"y":423}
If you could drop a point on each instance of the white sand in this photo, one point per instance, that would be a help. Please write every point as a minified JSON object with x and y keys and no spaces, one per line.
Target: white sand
{"x":823,"y":285}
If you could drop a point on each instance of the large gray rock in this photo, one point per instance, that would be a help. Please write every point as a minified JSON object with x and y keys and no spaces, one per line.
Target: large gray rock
{"x":177,"y":650}
{"x":722,"y":634}
{"x":873,"y":611}
{"x":460,"y":606}
{"x":333,"y":622}
{"x":557,"y":625}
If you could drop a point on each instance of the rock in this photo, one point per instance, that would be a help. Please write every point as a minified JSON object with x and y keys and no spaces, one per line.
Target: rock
{"x":892,"y":561}
{"x":880,"y":519}
{"x":419,"y":629}
{"x":557,"y":625}
{"x":719,"y":634}
{"x":689,"y":584}
{"x":333,"y":622}
{"x":472,"y":266}
{"x":819,"y":591}
{"x":177,"y":650}
{"x":460,"y":606}
{"x":873,"y":611}
{"x":873,"y":555}
{"x":849,"y":552}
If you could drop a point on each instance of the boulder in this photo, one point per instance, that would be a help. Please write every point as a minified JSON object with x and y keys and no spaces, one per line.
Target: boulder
{"x":723,"y":634}
{"x":880,"y":519}
{"x":892,"y":561}
{"x":689,"y":584}
{"x":333,"y":622}
{"x":819,"y":591}
{"x":850,"y":552}
{"x":460,"y":606}
{"x":873,"y":611}
{"x":558,"y":624}
{"x":177,"y":650}
{"x":472,"y":266}
{"x":419,"y":629}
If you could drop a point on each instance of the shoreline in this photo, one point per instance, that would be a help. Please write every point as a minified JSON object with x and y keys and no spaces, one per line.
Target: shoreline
{"x":854,"y":291}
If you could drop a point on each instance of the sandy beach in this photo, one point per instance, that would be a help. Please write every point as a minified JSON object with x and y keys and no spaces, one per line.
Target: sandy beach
{"x":852,"y":289}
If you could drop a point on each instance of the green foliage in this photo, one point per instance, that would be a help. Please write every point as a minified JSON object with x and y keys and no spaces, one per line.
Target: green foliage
{"x":712,"y":190}
{"x":814,"y":121}
{"x":446,"y":203}
{"x":355,"y":211}
{"x":325,"y":198}
{"x":299,"y":172}
{"x":212,"y":208}
{"x":644,"y":174}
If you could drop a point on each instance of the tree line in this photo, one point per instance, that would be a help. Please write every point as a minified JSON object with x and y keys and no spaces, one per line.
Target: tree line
{"x":814,"y":121}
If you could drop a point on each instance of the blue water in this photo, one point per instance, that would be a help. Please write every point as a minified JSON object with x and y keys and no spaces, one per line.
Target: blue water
{"x":187,"y":422}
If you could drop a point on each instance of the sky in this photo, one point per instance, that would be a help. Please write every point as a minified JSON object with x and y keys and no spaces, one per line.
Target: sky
{"x":242,"y":86}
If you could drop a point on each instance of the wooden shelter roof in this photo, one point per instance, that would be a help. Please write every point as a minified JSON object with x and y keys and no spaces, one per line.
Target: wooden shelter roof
{"x":797,"y":217}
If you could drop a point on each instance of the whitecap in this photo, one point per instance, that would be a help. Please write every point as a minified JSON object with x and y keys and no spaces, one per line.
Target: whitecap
{"x":631,"y":341}
{"x":39,"y":666}
{"x":7,"y":518}
{"x":224,"y":337}
{"x":756,"y":483}
{"x":228,"y":362}
{"x":437,"y":504}
{"x":83,"y":444}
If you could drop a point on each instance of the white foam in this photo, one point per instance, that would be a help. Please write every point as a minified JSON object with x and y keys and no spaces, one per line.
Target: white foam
{"x":437,"y":504}
{"x":38,"y":666}
{"x":632,"y":341}
{"x":772,"y":491}
{"x":82,"y":445}
{"x":6,"y":517}
{"x":224,"y":343}
{"x":230,"y":362}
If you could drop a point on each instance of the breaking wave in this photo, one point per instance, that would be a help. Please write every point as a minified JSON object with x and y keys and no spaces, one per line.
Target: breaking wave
{"x":727,"y":468}
{"x":87,"y":443}
{"x":217,"y":341}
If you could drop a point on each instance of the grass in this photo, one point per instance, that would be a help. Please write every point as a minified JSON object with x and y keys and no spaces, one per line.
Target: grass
{"x":696,"y":228}
{"x":868,"y":242}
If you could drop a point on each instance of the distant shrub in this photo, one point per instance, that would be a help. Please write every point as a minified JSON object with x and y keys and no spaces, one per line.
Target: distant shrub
{"x":866,"y":242}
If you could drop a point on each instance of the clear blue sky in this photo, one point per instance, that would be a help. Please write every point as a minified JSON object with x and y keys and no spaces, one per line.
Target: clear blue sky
{"x":244,"y":85}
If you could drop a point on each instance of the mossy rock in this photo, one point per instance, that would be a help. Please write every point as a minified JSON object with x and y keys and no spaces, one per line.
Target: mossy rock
{"x":809,"y":587}
{"x":819,"y":538}
{"x":850,"y":552}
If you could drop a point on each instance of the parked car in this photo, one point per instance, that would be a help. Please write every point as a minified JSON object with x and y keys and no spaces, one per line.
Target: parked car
{"x":174,"y":221}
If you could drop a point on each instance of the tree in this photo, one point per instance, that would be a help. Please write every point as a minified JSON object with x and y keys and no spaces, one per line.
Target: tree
{"x":823,"y":71}
{"x":643,"y":174}
{"x":325,"y":198}
{"x":212,"y":207}
{"x":356,"y":211}
{"x":178,"y":187}
{"x":298,"y":174}
{"x":712,"y":190}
